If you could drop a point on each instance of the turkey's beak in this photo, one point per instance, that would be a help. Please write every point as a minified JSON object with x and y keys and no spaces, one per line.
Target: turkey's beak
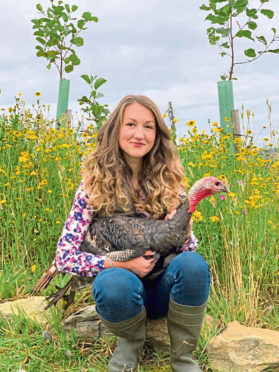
{"x":225,"y":188}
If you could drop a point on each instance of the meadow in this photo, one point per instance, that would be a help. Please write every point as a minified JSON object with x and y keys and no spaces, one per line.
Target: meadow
{"x":40,"y":167}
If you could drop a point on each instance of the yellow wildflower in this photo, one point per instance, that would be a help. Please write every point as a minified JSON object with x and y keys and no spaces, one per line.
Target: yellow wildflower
{"x":227,"y":119}
{"x":214,"y":219}
{"x":164,"y":115}
{"x":175,"y":120}
{"x":197,"y":216}
{"x":191,"y":123}
{"x":38,"y":94}
{"x":191,"y":164}
{"x":33,"y":268}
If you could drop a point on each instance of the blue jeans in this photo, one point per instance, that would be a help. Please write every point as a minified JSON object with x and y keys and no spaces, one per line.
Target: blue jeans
{"x":120,"y":294}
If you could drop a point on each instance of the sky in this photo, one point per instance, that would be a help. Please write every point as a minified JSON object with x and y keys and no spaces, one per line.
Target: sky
{"x":158,"y":48}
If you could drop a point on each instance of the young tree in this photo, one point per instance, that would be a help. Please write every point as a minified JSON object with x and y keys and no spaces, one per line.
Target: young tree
{"x":232,"y":20}
{"x":58,"y":33}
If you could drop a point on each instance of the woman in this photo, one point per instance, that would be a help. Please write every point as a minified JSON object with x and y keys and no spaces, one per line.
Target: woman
{"x":135,"y":169}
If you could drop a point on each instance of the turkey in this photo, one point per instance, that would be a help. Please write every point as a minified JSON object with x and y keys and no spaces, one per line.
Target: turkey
{"x":123,"y":238}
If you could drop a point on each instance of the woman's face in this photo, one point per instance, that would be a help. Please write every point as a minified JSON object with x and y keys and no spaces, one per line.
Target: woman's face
{"x":137,"y":131}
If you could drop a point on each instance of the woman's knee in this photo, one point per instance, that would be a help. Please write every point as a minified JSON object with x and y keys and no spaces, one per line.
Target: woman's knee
{"x":118,"y":294}
{"x":191,"y":277}
{"x":191,"y":265}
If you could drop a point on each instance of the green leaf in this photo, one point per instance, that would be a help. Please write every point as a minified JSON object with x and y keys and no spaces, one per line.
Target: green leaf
{"x":69,"y":68}
{"x":252,"y":25}
{"x":78,"y":41}
{"x":239,"y":4}
{"x":48,"y":66}
{"x":35,"y":21}
{"x":39,"y":7}
{"x":41,"y":53}
{"x":65,"y":17}
{"x":74,"y":59}
{"x":67,"y":7}
{"x":99,"y":82}
{"x":273,"y":29}
{"x":268,"y":13}
{"x":225,"y":45}
{"x":262,"y":39}
{"x":252,"y":13}
{"x":225,"y":11}
{"x":87,"y":16}
{"x":273,"y":51}
{"x":86,"y":78}
{"x":244,"y":33}
{"x":215,"y":19}
{"x":81,"y":23}
{"x":250,"y":53}
{"x":264,"y":1}
{"x":52,"y":53}
{"x":40,"y":40}
{"x":58,"y":10}
{"x":74,"y":8}
{"x":204,"y":7}
{"x":39,"y":33}
{"x":223,"y":31}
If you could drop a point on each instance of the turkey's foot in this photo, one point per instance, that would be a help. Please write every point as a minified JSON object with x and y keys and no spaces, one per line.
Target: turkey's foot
{"x":55,"y":297}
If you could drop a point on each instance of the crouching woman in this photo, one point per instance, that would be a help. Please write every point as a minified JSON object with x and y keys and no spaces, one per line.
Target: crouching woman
{"x":135,"y":170}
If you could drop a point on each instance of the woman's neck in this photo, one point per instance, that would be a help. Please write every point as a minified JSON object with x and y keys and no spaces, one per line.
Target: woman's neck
{"x":135,"y":165}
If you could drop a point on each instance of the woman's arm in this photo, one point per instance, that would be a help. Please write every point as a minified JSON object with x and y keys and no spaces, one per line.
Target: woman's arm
{"x":69,"y":259}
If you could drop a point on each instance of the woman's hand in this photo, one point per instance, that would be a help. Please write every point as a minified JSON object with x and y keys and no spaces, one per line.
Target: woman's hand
{"x":170,"y":215}
{"x":139,"y":265}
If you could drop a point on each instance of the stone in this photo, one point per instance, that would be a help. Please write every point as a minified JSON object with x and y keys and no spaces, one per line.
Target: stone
{"x":242,"y":349}
{"x":87,"y":326}
{"x":32,"y":307}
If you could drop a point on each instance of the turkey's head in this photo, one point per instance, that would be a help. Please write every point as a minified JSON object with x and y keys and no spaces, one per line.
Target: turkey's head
{"x":204,"y":188}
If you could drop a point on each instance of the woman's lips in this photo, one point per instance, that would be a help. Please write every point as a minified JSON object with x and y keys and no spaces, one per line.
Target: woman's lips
{"x":137,"y":144}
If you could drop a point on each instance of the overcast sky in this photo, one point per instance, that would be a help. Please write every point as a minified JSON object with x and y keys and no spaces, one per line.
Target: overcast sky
{"x":154,"y":47}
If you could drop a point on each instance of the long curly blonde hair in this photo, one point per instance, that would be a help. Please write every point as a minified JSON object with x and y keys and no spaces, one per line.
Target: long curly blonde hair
{"x":108,"y":177}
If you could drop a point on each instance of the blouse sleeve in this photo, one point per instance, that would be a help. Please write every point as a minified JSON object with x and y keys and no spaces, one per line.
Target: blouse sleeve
{"x":69,"y":258}
{"x":191,"y":244}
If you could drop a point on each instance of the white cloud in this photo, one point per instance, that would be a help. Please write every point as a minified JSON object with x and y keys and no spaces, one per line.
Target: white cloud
{"x":152,"y":47}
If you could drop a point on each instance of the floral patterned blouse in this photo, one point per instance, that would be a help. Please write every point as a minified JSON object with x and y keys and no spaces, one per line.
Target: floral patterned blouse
{"x":69,"y":259}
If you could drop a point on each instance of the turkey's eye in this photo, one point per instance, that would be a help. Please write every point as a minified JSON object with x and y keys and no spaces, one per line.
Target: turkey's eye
{"x":217,"y":183}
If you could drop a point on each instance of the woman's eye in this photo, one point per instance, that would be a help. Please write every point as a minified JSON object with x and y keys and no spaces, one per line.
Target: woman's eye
{"x":149,"y":126}
{"x":130,"y":124}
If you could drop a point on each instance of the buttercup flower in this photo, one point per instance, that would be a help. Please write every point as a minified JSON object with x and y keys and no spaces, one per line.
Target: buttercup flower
{"x":191,"y":123}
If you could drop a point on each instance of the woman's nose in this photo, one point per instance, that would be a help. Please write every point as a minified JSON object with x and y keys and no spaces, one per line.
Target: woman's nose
{"x":139,"y":132}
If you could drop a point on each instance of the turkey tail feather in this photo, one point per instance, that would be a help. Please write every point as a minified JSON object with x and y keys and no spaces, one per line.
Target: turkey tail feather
{"x":45,"y":279}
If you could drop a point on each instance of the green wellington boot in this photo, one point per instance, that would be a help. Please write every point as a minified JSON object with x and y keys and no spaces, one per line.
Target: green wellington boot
{"x":131,"y":337}
{"x":184,"y":325}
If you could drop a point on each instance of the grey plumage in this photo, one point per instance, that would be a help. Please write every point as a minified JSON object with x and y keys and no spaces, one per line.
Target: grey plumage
{"x":123,"y":238}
